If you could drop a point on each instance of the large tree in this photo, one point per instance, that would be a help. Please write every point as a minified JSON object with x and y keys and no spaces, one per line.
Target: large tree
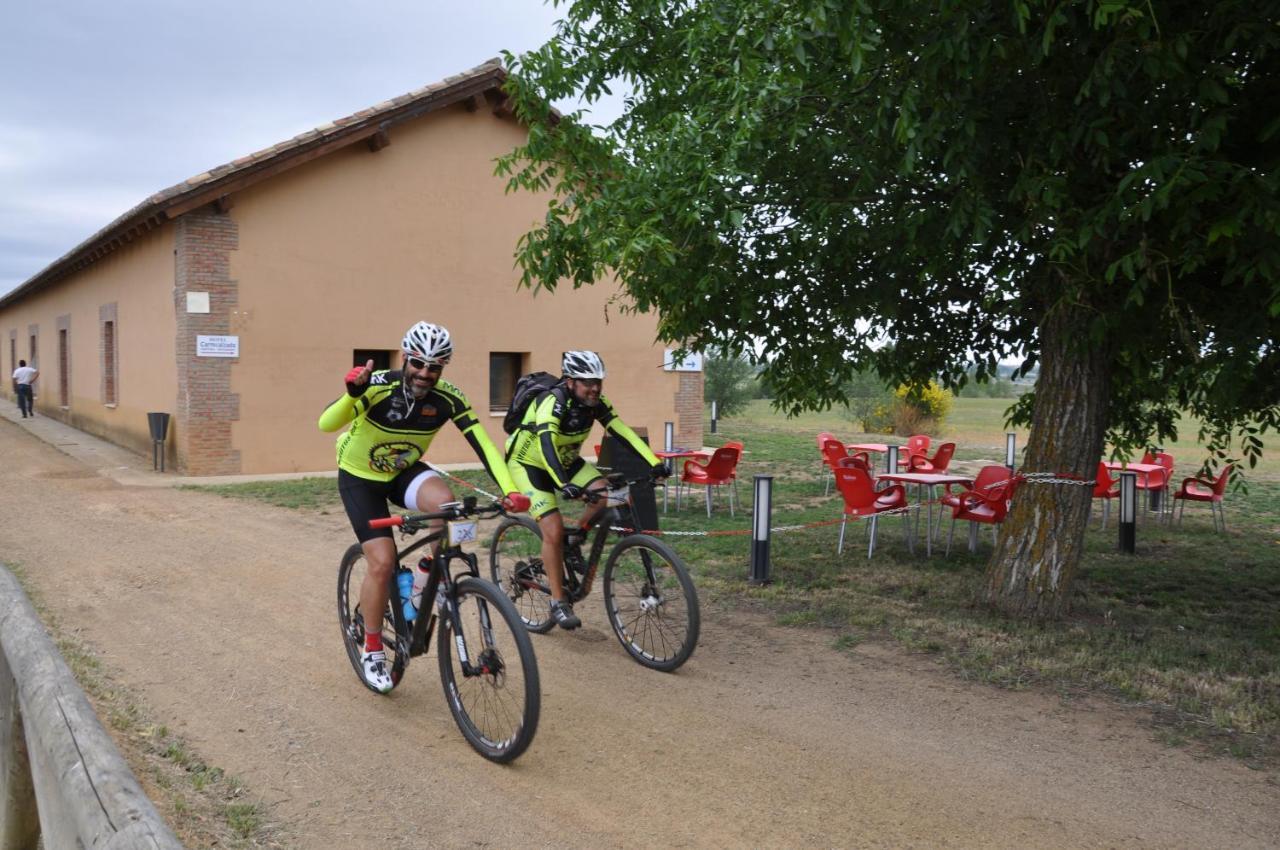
{"x":1091,"y":186}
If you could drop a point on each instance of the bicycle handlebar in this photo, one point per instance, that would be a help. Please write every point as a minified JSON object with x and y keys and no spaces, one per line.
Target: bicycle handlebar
{"x":450,"y":510}
{"x":617,"y":478}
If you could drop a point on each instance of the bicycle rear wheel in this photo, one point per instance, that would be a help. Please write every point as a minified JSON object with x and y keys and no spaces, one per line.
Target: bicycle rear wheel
{"x":351,"y":573}
{"x":515,"y":565}
{"x":495,"y":696}
{"x":651,"y":603}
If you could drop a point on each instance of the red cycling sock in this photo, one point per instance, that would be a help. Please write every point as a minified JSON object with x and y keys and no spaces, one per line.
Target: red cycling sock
{"x":373,"y":642}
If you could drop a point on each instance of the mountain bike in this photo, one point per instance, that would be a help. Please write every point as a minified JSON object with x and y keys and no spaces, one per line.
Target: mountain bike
{"x":649,"y":597}
{"x":487,"y":665}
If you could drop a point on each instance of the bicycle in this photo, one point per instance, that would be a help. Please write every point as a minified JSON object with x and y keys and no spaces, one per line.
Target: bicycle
{"x":649,"y":597}
{"x":487,"y":665}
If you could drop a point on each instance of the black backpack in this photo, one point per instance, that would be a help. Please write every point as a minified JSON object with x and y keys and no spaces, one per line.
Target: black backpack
{"x":528,"y":389}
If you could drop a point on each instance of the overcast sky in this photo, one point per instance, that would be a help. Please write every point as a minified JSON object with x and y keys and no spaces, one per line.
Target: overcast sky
{"x":104,"y":103}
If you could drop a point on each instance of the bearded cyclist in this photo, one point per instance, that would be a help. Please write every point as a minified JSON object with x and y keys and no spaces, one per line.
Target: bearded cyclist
{"x":394,"y":416}
{"x":543,"y":458}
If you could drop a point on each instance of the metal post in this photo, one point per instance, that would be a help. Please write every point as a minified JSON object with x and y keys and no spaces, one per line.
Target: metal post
{"x":1010,"y":449}
{"x":891,"y":460}
{"x":668,"y":436}
{"x":713,"y":417}
{"x":1128,"y":511}
{"x":760,"y":527}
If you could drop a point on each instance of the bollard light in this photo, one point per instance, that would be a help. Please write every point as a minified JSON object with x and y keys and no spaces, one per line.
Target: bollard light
{"x":668,"y":436}
{"x":1128,"y":511}
{"x":760,"y":527}
{"x":1010,"y":449}
{"x":891,"y":460}
{"x":713,"y":417}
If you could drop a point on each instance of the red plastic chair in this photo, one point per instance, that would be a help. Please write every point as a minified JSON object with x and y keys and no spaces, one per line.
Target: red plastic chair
{"x":989,"y":504}
{"x":833,"y":451}
{"x":715,"y":472}
{"x":1157,"y":481}
{"x":1203,"y":490}
{"x":917,"y":446}
{"x":938,"y":463}
{"x":862,"y":499}
{"x":740,"y":446}
{"x":1106,"y":488}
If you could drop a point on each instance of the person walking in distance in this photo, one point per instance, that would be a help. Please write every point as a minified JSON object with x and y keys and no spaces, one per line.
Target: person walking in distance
{"x":23,"y":377}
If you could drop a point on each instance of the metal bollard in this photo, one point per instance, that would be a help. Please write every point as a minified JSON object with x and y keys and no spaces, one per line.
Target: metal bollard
{"x":668,"y":435}
{"x":760,"y":527}
{"x":1010,"y":449}
{"x":713,"y":417}
{"x":1128,"y":511}
{"x":891,"y":460}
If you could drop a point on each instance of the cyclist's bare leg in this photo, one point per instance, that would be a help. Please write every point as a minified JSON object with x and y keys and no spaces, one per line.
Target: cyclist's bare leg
{"x":433,"y":493}
{"x":598,"y":486}
{"x":380,"y":555}
{"x":551,"y":524}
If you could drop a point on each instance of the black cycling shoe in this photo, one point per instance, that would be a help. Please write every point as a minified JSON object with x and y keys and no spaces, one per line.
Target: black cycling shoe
{"x":562,"y":613}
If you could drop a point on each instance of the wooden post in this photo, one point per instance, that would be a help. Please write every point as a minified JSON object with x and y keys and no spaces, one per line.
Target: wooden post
{"x":86,"y":795}
{"x":19,"y":824}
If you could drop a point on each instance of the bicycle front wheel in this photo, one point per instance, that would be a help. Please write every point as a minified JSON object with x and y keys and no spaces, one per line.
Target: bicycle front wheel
{"x":651,"y":603}
{"x":515,"y":565}
{"x":351,"y":573}
{"x":489,"y":672}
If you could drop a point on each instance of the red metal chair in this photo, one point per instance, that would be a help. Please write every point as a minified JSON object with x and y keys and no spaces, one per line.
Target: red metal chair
{"x":717,"y":471}
{"x":938,"y":463}
{"x":988,"y":504}
{"x":862,"y":499}
{"x":917,"y":446}
{"x":1203,"y":490}
{"x":1106,"y":488}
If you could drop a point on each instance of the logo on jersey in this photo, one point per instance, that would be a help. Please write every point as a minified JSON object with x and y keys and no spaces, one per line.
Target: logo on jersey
{"x":393,"y":457}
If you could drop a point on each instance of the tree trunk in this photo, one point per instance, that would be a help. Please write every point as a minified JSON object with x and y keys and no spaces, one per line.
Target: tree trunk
{"x":1030,"y":572}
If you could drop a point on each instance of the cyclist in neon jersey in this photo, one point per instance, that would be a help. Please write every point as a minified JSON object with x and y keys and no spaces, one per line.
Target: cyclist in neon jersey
{"x":543,"y":456}
{"x":394,"y":416}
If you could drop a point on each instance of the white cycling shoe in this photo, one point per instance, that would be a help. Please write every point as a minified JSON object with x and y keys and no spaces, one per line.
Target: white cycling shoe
{"x":376,"y":673}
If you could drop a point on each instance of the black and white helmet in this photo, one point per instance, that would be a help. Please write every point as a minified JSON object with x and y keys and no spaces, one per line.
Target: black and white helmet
{"x":582,"y":364}
{"x":428,"y":342}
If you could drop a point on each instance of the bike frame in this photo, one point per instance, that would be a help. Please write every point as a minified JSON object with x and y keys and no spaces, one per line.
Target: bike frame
{"x":601,"y":524}
{"x":412,"y":642}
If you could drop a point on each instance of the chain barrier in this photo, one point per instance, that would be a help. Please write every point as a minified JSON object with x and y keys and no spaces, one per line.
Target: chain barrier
{"x":1020,"y":477}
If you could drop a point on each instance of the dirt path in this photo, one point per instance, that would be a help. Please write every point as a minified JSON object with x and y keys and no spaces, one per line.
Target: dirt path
{"x":219,"y":615}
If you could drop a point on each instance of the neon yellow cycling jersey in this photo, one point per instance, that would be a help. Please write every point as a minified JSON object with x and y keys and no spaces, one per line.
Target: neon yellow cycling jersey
{"x":390,"y":429}
{"x":555,"y":427}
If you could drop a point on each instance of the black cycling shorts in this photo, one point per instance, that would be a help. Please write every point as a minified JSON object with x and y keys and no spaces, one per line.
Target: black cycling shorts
{"x":366,"y":499}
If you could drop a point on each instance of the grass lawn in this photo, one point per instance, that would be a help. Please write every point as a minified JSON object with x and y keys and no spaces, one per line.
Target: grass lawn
{"x":1189,"y":626}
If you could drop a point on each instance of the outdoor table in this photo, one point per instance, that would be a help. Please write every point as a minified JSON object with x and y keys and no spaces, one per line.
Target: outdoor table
{"x":675,"y":454}
{"x":868,"y":447}
{"x":927,"y":481}
{"x":1143,"y":469}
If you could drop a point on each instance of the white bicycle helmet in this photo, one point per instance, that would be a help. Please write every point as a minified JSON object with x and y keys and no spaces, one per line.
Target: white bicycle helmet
{"x":428,"y":342}
{"x":582,"y":364}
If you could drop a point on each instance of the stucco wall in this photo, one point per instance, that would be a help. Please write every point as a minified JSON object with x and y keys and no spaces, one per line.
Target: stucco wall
{"x":138,"y":280}
{"x":346,"y":252}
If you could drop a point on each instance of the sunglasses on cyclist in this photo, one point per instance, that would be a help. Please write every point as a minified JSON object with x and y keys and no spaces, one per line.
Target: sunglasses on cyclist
{"x":419,"y":363}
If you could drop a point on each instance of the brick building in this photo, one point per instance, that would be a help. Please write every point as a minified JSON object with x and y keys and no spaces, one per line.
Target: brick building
{"x":236,"y":300}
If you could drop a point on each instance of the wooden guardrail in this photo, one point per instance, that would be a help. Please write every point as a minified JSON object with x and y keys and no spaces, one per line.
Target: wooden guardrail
{"x":61,"y":777}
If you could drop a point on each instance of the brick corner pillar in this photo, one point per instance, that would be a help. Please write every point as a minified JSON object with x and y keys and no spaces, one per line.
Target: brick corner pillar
{"x":205,"y":406}
{"x":689,"y":410}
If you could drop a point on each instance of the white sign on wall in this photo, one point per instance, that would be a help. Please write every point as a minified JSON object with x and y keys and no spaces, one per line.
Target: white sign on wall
{"x":692,"y":362}
{"x":197,"y":302}
{"x":217,"y":346}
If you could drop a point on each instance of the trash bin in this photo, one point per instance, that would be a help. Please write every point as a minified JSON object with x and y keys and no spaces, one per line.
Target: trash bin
{"x":617,"y":456}
{"x":159,"y":424}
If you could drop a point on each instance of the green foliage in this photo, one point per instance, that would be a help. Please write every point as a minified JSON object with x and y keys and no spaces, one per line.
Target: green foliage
{"x":869,"y":402}
{"x":928,"y":399}
{"x":822,"y":175}
{"x":729,"y":381}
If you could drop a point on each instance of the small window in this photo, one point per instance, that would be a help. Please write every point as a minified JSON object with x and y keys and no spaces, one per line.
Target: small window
{"x":505,"y":368}
{"x":64,"y":370}
{"x":381,"y":358}
{"x":108,"y":362}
